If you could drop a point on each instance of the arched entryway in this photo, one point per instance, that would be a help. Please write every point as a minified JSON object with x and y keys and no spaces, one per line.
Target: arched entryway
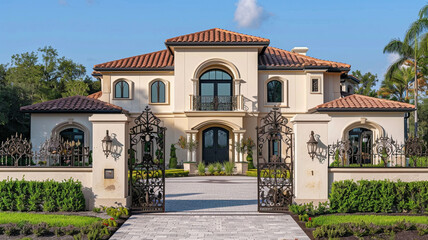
{"x":361,"y":140}
{"x":215,"y":145}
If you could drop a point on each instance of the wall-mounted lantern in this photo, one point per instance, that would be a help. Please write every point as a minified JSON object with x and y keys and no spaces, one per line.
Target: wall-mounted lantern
{"x":107,"y":143}
{"x":312,"y":145}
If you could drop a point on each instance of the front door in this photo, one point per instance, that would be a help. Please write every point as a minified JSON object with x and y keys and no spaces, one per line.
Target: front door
{"x":215,"y":145}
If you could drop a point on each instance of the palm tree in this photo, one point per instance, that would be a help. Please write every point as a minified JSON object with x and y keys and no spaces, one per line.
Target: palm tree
{"x":397,"y":87}
{"x":411,"y":51}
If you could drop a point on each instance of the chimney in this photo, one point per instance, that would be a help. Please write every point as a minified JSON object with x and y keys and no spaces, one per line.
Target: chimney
{"x":300,"y":50}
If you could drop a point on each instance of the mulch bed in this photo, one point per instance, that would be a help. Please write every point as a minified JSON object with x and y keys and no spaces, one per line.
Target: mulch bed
{"x":405,"y":235}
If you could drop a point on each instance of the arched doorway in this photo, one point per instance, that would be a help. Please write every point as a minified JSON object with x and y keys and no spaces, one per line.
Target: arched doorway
{"x":215,"y":91}
{"x":215,"y":145}
{"x":361,"y":140}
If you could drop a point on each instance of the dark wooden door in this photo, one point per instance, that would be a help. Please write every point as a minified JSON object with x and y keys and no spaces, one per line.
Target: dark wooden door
{"x":215,"y":145}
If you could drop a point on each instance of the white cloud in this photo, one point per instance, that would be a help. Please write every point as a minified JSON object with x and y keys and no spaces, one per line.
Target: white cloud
{"x":248,"y":14}
{"x":392,"y":58}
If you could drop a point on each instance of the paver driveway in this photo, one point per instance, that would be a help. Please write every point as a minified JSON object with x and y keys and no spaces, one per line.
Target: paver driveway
{"x":215,"y":207}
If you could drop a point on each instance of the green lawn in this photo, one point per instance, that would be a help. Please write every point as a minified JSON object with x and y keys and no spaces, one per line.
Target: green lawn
{"x":52,"y":220}
{"x":375,"y":219}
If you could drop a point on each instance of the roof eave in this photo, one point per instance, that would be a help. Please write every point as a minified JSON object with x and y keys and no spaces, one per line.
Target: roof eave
{"x":362,"y":110}
{"x":217,"y":43}
{"x":328,"y":69}
{"x":135,"y":69}
{"x":73,"y":111}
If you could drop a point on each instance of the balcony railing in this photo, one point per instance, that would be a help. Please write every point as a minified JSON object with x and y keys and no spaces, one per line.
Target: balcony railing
{"x":215,"y":103}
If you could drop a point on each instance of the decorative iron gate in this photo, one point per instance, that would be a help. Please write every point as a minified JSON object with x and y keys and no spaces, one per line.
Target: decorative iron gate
{"x":275,"y":173}
{"x":147,"y":163}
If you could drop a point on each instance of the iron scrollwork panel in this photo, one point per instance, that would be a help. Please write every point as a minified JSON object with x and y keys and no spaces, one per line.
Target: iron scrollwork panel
{"x":275,"y":173}
{"x":147,"y":163}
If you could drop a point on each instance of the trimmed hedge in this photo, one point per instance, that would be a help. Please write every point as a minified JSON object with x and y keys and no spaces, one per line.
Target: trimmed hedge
{"x":379,"y":196}
{"x":48,"y":196}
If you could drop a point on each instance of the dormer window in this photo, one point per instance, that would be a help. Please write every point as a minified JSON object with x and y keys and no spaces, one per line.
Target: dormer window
{"x":315,"y":85}
{"x":274,"y":91}
{"x":121,"y":89}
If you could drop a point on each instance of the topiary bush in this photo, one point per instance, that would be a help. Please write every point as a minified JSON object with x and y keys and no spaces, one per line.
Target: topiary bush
{"x":49,"y":195}
{"x":379,"y":196}
{"x":173,"y":157}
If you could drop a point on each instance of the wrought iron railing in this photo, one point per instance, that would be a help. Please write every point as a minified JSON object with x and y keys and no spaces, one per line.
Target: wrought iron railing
{"x":215,"y":103}
{"x":382,"y":152}
{"x":17,"y":151}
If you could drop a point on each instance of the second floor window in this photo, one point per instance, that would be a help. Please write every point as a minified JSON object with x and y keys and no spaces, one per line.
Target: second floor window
{"x":315,"y":85}
{"x":157,"y":92}
{"x":121,"y":89}
{"x":274,"y":91}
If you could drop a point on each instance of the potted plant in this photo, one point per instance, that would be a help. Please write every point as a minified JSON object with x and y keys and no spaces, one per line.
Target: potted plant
{"x":190,"y":145}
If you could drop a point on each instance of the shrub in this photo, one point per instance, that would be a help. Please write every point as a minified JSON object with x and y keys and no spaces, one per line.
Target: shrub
{"x":201,"y":169}
{"x":379,"y":196}
{"x":173,"y":157}
{"x":41,"y":229}
{"x":228,"y":168}
{"x":50,"y":196}
{"x":96,"y":210}
{"x":218,"y":167}
{"x":211,"y":169}
{"x":309,"y":209}
{"x":11,"y":229}
{"x":116,"y":213}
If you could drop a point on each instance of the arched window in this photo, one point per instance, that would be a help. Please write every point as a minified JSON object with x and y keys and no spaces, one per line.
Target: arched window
{"x":157,"y":92}
{"x":73,"y":134}
{"x":274,"y":91}
{"x":121,"y":89}
{"x":215,"y":91}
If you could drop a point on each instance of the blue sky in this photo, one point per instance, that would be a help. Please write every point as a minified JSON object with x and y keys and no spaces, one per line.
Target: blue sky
{"x":96,"y":31}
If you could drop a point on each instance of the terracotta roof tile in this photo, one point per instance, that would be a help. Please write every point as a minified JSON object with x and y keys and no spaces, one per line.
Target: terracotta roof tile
{"x":216,"y":35}
{"x":356,"y":102}
{"x":74,"y":104}
{"x":95,"y":95}
{"x":279,"y":58}
{"x":155,"y":60}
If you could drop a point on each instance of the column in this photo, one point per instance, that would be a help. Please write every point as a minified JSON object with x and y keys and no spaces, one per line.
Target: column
{"x":194,"y":150}
{"x":189,"y":154}
{"x":241,"y":154}
{"x":236,"y":159}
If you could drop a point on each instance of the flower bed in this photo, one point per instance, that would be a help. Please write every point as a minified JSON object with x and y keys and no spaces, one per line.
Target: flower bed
{"x":34,"y":225}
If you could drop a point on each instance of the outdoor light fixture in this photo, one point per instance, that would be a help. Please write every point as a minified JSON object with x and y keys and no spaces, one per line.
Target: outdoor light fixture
{"x":312,"y":145}
{"x":107,"y":143}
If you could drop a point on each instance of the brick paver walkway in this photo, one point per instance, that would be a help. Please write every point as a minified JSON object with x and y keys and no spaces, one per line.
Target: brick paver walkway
{"x":210,"y":208}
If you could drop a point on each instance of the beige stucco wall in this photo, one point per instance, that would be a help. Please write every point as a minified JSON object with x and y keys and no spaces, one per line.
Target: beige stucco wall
{"x":84,"y":175}
{"x":393,"y":174}
{"x":382,"y":123}
{"x":42,"y":125}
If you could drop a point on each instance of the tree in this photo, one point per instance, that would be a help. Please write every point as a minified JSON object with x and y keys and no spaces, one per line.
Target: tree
{"x":397,"y":87}
{"x":11,"y":119}
{"x":412,"y":52}
{"x":43,"y":75}
{"x":367,"y":83}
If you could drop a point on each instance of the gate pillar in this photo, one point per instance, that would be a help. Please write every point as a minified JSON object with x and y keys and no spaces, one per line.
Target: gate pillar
{"x":110,"y":173}
{"x":310,"y":176}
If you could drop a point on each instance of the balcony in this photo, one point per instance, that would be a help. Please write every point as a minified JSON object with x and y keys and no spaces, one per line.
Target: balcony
{"x":216,"y":103}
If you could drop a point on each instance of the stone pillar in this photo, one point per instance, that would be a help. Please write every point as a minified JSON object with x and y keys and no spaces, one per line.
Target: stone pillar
{"x":194,"y":150}
{"x":241,"y":154}
{"x":189,"y":154}
{"x":108,"y":191}
{"x":236,"y":135}
{"x":310,"y":176}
